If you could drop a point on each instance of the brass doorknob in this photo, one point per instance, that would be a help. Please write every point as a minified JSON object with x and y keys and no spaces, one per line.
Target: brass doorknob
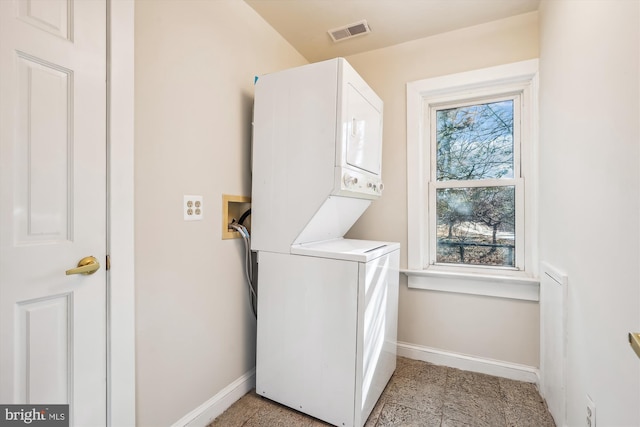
{"x":87,"y":265}
{"x":634,"y":340}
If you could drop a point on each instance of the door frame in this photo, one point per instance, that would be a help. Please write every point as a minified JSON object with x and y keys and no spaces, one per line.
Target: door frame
{"x":121,"y":399}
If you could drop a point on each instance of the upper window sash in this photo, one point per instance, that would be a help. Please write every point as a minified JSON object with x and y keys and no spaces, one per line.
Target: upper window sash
{"x":430,"y":124}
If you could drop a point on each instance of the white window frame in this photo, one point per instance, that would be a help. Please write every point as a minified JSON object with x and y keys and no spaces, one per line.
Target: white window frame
{"x":423,"y":96}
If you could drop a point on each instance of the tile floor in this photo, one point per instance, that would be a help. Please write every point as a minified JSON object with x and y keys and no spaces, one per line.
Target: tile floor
{"x":419,"y":394}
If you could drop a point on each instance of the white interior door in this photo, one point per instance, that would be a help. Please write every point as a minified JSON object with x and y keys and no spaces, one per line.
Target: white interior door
{"x":53,"y":204}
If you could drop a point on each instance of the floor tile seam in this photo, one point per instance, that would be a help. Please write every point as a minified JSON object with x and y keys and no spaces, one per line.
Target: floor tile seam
{"x":518,"y":390}
{"x":537,"y":405}
{"x":439,"y":408}
{"x":475,"y":393}
{"x":532,"y":401}
{"x":255,"y":411}
{"x":542,"y":408}
{"x":474,"y":386}
{"x":422,"y":379}
{"x":425,"y":380}
{"x":500,"y":405}
{"x":450,"y":417}
{"x":421,"y":411}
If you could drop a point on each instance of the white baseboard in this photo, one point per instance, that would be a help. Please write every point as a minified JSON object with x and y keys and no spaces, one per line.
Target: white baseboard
{"x":204,"y":414}
{"x":497,"y":368}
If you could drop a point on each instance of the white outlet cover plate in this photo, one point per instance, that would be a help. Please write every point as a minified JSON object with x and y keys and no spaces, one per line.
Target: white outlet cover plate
{"x":193,"y":208}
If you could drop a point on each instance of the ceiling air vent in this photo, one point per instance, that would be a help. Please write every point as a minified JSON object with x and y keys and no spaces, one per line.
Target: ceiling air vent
{"x":352,"y":30}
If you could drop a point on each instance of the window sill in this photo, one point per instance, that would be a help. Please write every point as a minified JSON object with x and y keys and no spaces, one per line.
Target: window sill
{"x":521,"y":288}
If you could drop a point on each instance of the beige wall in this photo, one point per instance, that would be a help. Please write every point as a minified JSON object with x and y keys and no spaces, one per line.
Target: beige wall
{"x":495,"y":328}
{"x":195,"y":62}
{"x":589,"y":195}
{"x":194,"y":94}
{"x":195,"y":65}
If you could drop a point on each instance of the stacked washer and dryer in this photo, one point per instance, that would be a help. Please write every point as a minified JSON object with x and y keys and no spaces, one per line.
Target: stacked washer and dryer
{"x":327,"y":306}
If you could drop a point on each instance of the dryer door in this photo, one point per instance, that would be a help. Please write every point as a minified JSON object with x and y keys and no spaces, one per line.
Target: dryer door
{"x":364,"y":132}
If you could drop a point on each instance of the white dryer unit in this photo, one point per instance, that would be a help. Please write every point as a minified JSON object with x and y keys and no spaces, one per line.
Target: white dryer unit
{"x":317,"y":153}
{"x":327,"y":306}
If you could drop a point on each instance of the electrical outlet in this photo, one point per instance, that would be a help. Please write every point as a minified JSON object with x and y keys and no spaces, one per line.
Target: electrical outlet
{"x":591,"y":412}
{"x":193,"y":208}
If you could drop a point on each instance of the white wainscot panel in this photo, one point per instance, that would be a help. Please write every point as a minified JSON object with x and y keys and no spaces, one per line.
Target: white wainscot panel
{"x":45,"y":341}
{"x":44,"y":165}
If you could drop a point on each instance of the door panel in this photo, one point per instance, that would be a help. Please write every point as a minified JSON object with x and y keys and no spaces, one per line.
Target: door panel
{"x":44,"y":339}
{"x":43,"y":152}
{"x":53,"y":204}
{"x":53,"y":16}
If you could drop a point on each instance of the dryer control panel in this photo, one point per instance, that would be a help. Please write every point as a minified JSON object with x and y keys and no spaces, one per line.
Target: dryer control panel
{"x":349,"y":182}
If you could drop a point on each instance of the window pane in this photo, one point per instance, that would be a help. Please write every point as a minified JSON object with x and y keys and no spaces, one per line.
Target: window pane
{"x":476,"y":226}
{"x":475,"y":142}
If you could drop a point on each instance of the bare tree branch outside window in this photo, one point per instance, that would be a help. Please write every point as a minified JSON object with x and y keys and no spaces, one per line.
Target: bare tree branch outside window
{"x":475,"y":224}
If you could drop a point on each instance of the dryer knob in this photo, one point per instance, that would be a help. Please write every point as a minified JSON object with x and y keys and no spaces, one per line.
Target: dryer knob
{"x":349,"y":180}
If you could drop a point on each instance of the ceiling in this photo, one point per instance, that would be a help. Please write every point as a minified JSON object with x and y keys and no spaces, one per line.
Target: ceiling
{"x":304,"y":23}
